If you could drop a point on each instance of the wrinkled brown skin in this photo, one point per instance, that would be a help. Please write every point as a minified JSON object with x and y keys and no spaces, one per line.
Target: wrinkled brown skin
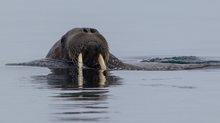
{"x":74,"y":42}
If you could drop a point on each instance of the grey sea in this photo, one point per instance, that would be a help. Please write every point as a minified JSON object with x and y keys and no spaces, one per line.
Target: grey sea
{"x":134,"y":30}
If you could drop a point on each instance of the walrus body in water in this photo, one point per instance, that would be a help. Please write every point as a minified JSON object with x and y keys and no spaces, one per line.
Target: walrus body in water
{"x":86,"y":47}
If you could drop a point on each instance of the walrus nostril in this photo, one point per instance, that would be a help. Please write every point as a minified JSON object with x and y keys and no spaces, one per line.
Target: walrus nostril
{"x":85,"y":30}
{"x":92,"y":30}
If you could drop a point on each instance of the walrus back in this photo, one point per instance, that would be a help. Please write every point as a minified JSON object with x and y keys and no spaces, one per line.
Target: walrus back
{"x":56,"y":51}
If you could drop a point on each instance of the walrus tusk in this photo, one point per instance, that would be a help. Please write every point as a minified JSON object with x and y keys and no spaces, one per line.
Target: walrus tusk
{"x":80,"y":60}
{"x":80,"y":70}
{"x":101,"y":62}
{"x":102,"y":78}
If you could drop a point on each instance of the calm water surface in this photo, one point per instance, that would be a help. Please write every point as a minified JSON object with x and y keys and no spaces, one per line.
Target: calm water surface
{"x":133,"y":29}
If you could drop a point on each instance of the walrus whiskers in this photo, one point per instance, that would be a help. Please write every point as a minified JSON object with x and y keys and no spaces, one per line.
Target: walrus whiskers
{"x":101,"y":62}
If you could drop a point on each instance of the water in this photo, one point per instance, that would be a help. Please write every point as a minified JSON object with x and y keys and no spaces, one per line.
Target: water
{"x":132,"y":29}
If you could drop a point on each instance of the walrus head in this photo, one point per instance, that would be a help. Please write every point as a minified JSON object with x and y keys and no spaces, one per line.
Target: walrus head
{"x":86,"y":45}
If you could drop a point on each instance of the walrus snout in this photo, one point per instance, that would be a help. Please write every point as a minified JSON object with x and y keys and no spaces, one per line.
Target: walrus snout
{"x":91,"y":55}
{"x":92,"y":48}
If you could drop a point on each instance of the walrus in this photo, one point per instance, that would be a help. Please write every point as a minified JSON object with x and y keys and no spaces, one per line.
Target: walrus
{"x":87,"y":48}
{"x":82,"y":57}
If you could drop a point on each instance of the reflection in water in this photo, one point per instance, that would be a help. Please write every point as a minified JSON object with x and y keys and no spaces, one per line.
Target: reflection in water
{"x":86,"y":101}
{"x":69,"y":78}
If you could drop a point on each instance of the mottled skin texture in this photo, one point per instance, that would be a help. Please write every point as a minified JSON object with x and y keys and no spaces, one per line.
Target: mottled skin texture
{"x":81,"y":39}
